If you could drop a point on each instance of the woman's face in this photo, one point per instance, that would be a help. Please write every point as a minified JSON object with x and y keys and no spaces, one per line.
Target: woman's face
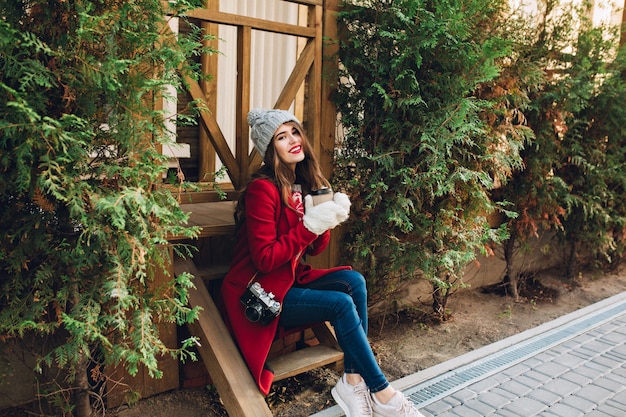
{"x":288,"y":145}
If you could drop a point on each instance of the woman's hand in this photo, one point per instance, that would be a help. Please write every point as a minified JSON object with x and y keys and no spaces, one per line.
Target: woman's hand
{"x":343,"y":200}
{"x":325,"y":216}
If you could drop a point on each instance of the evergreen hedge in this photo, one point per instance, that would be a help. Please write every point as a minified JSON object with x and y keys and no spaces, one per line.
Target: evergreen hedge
{"x":458,"y":110}
{"x":421,"y":151}
{"x":84,"y":221}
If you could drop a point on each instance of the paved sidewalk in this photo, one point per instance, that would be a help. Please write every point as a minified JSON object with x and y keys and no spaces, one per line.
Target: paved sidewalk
{"x":572,"y":366}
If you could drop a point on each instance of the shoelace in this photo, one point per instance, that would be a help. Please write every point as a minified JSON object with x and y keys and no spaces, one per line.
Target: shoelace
{"x":407,"y":408}
{"x":363,"y":397}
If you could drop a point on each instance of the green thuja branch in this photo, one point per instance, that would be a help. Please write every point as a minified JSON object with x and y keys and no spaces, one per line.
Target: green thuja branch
{"x":84,"y":220}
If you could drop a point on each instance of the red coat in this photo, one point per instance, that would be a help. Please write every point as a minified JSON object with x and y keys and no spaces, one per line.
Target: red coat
{"x":271,"y":241}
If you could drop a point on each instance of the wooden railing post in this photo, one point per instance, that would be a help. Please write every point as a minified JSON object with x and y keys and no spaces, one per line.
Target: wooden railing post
{"x":244,"y":45}
{"x":206,"y":157}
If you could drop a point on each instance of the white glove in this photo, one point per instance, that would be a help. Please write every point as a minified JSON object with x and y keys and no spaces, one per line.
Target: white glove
{"x":326,"y":216}
{"x":343,"y":201}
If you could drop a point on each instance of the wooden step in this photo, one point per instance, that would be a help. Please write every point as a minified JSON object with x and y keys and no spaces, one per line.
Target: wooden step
{"x":303,"y":360}
{"x":212,"y":272}
{"x":229,"y":372}
{"x":213,"y":219}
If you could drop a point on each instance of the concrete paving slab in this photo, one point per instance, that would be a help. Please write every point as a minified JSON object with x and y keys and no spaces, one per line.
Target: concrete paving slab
{"x":574,"y":365}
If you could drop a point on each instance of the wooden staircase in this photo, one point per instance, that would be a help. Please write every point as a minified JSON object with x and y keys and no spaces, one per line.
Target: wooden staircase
{"x":218,"y":351}
{"x":230,"y":374}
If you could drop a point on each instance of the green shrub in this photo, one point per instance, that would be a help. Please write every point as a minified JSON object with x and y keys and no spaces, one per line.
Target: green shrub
{"x":454,"y":110}
{"x":422,"y":150}
{"x":571,"y":181}
{"x":84,"y":222}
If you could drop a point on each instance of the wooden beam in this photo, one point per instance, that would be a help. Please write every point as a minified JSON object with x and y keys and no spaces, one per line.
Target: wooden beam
{"x":315,"y":80}
{"x":242,"y":135}
{"x":297,"y":77}
{"x":332,"y":254}
{"x":329,"y":85}
{"x":216,"y":135}
{"x":254,"y":23}
{"x":208,"y":62}
{"x":301,"y":43}
{"x":229,"y":373}
{"x":308,"y":2}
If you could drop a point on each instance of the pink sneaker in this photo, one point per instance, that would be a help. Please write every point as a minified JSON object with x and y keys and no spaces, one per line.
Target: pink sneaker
{"x":398,"y":406}
{"x":354,"y":400}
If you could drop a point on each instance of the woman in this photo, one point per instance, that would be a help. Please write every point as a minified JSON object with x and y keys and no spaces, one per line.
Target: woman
{"x":276,"y":228}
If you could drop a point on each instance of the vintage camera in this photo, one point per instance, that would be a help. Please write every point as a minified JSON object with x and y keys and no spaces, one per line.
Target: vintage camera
{"x":260,"y":306}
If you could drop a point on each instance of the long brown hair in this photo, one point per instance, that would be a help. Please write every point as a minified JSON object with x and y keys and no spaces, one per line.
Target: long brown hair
{"x":307,"y":173}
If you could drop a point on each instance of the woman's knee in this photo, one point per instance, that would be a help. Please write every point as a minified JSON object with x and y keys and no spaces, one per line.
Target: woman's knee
{"x":353,"y":280}
{"x":359,"y":281}
{"x":347,"y":319}
{"x":344,"y":308}
{"x":358,"y":287}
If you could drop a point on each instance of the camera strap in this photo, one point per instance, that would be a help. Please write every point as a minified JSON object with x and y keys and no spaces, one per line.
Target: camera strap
{"x":252,"y":279}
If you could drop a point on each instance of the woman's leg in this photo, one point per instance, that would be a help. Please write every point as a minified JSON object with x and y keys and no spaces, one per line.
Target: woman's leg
{"x":350,"y":282}
{"x":340,"y":298}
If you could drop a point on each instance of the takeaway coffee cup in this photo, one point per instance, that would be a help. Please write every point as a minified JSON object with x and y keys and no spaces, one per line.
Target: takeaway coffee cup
{"x":322,"y":195}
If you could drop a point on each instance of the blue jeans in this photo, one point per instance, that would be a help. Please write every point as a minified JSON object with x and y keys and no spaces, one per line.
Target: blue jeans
{"x":340,"y":298}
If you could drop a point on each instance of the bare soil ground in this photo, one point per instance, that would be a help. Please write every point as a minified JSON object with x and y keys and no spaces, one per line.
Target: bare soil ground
{"x":406,"y":343}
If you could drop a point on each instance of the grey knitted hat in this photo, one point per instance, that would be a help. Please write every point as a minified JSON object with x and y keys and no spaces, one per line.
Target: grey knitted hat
{"x":263,"y":124}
